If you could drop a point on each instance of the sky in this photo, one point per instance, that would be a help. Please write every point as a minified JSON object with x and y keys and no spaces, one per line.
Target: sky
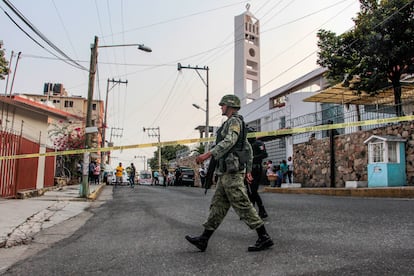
{"x":191,"y":32}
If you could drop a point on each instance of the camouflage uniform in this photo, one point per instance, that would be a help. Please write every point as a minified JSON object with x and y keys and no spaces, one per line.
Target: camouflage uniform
{"x":231,"y":190}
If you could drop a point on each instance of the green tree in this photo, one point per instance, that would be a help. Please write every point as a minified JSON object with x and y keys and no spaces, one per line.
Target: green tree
{"x":168,"y":153}
{"x":200,"y":148}
{"x":378,"y":51}
{"x":4,"y":69}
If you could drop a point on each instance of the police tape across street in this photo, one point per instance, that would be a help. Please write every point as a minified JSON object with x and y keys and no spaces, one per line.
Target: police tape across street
{"x":279,"y":132}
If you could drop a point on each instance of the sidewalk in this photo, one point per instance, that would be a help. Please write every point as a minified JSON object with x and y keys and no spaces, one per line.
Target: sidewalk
{"x":22,"y":218}
{"x":393,"y":192}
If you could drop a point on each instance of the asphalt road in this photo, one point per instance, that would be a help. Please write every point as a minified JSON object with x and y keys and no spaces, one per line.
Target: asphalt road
{"x":141,"y":232}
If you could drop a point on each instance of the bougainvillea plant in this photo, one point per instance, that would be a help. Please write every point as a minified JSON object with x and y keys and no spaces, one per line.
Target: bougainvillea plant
{"x":66,"y":136}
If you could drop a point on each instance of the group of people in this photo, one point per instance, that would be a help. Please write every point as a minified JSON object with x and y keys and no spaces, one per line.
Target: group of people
{"x":168,"y":177}
{"x":119,"y":174}
{"x":281,"y":173}
{"x":94,"y":172}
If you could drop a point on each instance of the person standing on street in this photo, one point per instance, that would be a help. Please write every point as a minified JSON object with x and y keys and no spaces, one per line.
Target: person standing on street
{"x":91,"y":171}
{"x":284,"y":168}
{"x":156,"y":178}
{"x":230,"y":191}
{"x":132,"y":173}
{"x":202,"y":173}
{"x":79,"y":170}
{"x":119,"y":171}
{"x":259,"y":153}
{"x":96,"y":173}
{"x":290,"y":169}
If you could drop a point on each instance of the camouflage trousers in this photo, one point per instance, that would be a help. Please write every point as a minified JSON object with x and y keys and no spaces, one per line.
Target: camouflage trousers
{"x":231,"y":191}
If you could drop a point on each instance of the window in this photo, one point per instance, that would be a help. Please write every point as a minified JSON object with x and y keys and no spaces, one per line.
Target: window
{"x":282,"y":122}
{"x":392,"y":152}
{"x":383,"y":152}
{"x":68,"y":103}
{"x":94,"y":106}
{"x":376,"y":152}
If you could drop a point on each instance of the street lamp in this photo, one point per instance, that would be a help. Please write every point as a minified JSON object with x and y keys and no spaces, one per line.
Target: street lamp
{"x":199,"y":107}
{"x":91,"y":85}
{"x":207,"y":130}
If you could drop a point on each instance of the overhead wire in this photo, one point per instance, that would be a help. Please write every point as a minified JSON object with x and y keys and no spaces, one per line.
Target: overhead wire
{"x":181,"y":17}
{"x":229,"y":44}
{"x":38,"y":43}
{"x":208,"y":53}
{"x":228,"y":41}
{"x":277,"y":12}
{"x":124,"y":54}
{"x":262,"y":7}
{"x":40,"y":34}
{"x":349,"y":45}
{"x":297,"y":42}
{"x":166,"y":101}
{"x":303,"y":17}
{"x":64,"y":28}
{"x":291,"y":46}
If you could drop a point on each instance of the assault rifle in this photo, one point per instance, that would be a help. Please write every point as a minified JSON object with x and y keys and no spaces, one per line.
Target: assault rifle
{"x":210,"y":174}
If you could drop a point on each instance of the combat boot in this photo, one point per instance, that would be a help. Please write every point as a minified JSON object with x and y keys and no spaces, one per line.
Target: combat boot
{"x":200,"y":241}
{"x":263,"y":242}
{"x":262,"y":212}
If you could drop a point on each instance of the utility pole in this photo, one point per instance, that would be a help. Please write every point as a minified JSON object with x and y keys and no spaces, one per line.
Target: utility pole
{"x":84,"y":191}
{"x":155,"y":132}
{"x":206,"y":83}
{"x":144,"y":158}
{"x":114,"y":83}
{"x":116,"y":132}
{"x":91,"y":85}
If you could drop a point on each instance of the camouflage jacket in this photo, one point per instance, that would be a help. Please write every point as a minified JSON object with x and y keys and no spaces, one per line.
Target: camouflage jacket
{"x":230,"y":131}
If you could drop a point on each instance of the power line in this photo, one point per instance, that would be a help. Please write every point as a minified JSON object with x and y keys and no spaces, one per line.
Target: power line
{"x":179,"y":18}
{"x":38,"y":33}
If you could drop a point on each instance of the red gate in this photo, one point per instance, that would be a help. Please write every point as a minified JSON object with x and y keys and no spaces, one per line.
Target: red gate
{"x":9,"y":145}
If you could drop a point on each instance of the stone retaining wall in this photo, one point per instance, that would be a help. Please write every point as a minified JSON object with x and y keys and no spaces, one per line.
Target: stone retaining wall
{"x":312,"y":159}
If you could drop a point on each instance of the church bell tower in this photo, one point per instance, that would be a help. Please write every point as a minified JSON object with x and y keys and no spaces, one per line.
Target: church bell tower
{"x":246,"y":57}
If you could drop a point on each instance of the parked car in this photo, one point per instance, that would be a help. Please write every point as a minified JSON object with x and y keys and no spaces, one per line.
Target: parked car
{"x":144,"y":178}
{"x":108,"y":174}
{"x":125,"y":178}
{"x":187,"y":176}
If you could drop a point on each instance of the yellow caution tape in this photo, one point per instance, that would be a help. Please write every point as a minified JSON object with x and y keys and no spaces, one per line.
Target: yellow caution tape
{"x":279,"y":132}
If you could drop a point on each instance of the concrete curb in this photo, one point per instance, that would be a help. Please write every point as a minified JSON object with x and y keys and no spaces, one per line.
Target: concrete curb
{"x":41,"y":192}
{"x":393,"y":192}
{"x":96,"y":192}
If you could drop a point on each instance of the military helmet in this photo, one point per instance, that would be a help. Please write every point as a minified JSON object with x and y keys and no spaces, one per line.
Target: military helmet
{"x":230,"y":100}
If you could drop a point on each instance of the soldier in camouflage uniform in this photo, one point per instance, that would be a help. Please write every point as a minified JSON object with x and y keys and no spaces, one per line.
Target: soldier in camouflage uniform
{"x":230,"y":190}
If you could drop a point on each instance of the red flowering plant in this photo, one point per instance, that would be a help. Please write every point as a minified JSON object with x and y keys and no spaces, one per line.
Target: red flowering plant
{"x":67,"y":136}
